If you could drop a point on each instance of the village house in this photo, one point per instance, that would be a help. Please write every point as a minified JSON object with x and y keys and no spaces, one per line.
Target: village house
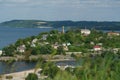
{"x":113,"y":34}
{"x":115,"y":50}
{"x":100,"y":44}
{"x":85,"y":32}
{"x":97,"y":48}
{"x":92,"y":43}
{"x":0,"y":52}
{"x":56,"y":45}
{"x":21,"y":49}
{"x":44,"y":36}
{"x":34,"y":40}
{"x":33,"y":45}
{"x":65,"y":47}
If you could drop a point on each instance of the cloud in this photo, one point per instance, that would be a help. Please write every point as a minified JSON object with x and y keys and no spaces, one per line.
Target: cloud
{"x":62,"y":3}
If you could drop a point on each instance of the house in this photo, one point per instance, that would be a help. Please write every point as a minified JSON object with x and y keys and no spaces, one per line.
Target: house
{"x":113,"y":34}
{"x":34,"y":40}
{"x":33,"y":45}
{"x":97,"y":48}
{"x":68,"y":44}
{"x":85,"y":31}
{"x":44,"y":36}
{"x":21,"y":49}
{"x":65,"y":47}
{"x":56,"y":45}
{"x":0,"y":52}
{"x":100,"y":44}
{"x":115,"y":50}
{"x":92,"y":43}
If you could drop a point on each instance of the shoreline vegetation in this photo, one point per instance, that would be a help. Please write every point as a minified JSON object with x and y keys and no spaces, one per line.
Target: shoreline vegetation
{"x":35,"y":58}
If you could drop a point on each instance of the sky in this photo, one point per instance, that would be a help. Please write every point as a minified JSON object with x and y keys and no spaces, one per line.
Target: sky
{"x":51,"y":10}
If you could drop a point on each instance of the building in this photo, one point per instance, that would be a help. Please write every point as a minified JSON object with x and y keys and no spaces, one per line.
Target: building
{"x":113,"y":34}
{"x":97,"y":48}
{"x":0,"y":52}
{"x":34,"y":40}
{"x":44,"y":36}
{"x":21,"y":49}
{"x":85,"y":31}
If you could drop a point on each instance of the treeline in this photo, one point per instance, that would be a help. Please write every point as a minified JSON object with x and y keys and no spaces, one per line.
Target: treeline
{"x":106,"y":25}
{"x":55,"y":42}
{"x":99,"y":67}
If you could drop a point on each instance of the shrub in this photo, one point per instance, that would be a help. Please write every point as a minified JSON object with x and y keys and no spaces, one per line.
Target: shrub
{"x":31,"y":76}
{"x":9,"y":77}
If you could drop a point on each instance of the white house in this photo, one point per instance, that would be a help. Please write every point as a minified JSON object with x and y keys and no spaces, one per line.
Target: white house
{"x":0,"y":52}
{"x":113,"y":34}
{"x":34,"y":40}
{"x":85,"y":31}
{"x":97,"y":48}
{"x":44,"y":36}
{"x":21,"y":49}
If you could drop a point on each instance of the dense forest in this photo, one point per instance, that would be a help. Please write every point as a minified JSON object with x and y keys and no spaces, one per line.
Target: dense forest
{"x":105,"y":25}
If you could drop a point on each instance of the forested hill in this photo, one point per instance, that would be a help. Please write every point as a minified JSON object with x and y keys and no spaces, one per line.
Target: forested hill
{"x":56,"y":24}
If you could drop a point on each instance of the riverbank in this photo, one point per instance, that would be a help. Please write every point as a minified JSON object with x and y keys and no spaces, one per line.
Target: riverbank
{"x":20,"y":75}
{"x":36,"y":57}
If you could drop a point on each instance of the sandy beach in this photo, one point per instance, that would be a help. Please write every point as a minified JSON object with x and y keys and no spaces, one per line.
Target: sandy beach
{"x":20,"y":75}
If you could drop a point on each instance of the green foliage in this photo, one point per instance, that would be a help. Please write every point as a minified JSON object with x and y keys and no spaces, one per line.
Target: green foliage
{"x":57,"y":24}
{"x":9,"y":77}
{"x":46,"y":49}
{"x":60,"y":50}
{"x":63,"y":75}
{"x":104,"y":67}
{"x":50,"y":69}
{"x":31,"y":76}
{"x":78,"y":42}
{"x":9,"y":50}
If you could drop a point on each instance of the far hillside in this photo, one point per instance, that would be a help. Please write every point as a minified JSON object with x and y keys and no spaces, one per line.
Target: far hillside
{"x":106,"y":25}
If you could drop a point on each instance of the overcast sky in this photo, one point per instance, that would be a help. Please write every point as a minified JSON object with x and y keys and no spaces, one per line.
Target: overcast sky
{"x":76,"y":10}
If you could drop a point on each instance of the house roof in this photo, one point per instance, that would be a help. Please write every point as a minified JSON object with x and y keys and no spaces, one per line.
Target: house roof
{"x":96,"y":46}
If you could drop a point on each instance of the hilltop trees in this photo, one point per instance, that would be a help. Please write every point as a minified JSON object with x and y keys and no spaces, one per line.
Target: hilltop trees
{"x":52,"y":42}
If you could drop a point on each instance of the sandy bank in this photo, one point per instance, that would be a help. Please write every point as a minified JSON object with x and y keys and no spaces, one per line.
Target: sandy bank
{"x":20,"y":75}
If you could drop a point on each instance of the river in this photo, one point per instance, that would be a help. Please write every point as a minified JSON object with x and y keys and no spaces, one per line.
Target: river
{"x":6,"y":67}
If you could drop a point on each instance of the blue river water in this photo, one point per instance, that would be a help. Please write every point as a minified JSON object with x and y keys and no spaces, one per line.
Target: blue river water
{"x":9,"y":35}
{"x":18,"y":66}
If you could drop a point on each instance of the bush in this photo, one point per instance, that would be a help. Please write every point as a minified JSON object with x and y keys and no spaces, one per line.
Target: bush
{"x":9,"y":77}
{"x":31,"y":76}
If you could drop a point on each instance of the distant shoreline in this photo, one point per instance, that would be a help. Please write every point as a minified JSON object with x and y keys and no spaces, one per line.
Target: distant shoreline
{"x":99,"y":25}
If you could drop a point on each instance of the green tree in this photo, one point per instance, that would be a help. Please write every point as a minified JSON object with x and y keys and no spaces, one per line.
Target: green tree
{"x":60,"y":50}
{"x":46,"y":49}
{"x":50,"y":69}
{"x":9,"y":50}
{"x":31,"y":76}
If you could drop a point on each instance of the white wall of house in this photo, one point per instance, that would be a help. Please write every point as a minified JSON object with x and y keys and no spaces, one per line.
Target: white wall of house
{"x":0,"y":52}
{"x":97,"y":49}
{"x":85,"y":31}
